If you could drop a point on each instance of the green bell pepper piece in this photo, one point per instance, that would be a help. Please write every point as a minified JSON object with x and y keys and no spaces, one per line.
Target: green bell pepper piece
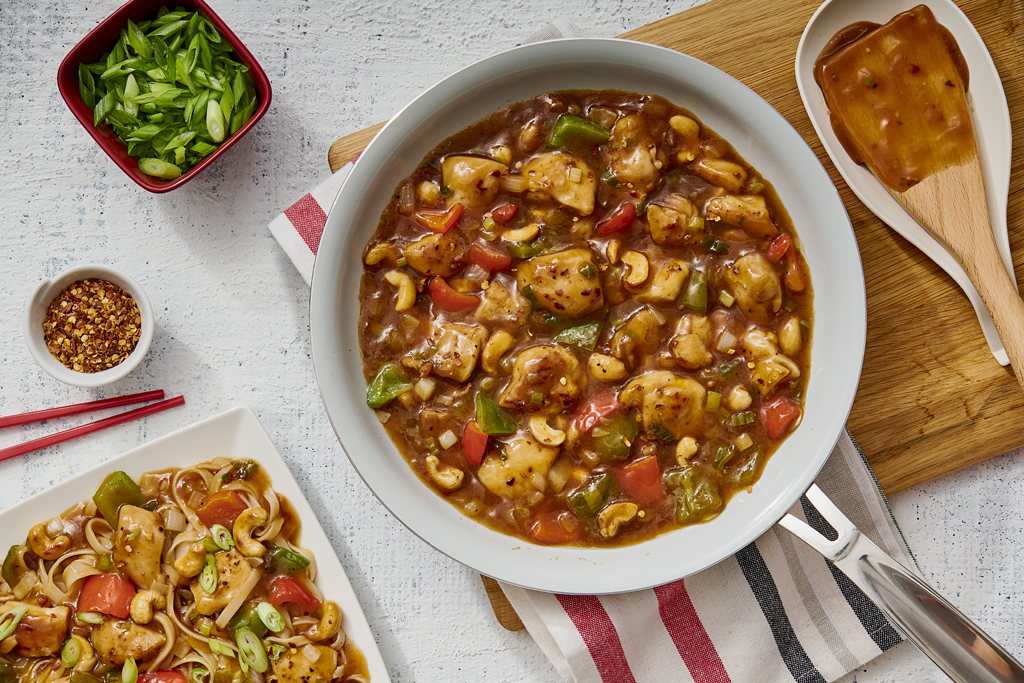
{"x":10,"y":569}
{"x":491,"y":418}
{"x":573,"y":130}
{"x":697,"y":496}
{"x":280,"y":560}
{"x":116,"y":490}
{"x":248,"y":617}
{"x":618,"y":442}
{"x":744,"y":473}
{"x":583,"y":337}
{"x":695,"y":294}
{"x":527,"y":249}
{"x":590,"y":498}
{"x":389,"y":383}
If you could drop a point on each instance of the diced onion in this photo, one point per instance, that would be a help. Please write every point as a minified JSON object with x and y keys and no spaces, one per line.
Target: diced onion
{"x":743,"y":441}
{"x":539,"y":481}
{"x":54,"y":527}
{"x":514,"y":183}
{"x":407,"y":200}
{"x":657,"y":315}
{"x":56,"y":595}
{"x":575,"y":174}
{"x":558,"y":475}
{"x":410,"y":321}
{"x":383,"y":417}
{"x":175,"y":519}
{"x":476,"y":273}
{"x":425,"y":388}
{"x":448,"y":439}
{"x":28,"y":580}
{"x":726,"y":342}
{"x":311,"y":653}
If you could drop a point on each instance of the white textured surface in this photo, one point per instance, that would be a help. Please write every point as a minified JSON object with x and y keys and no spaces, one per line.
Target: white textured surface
{"x":232,"y":313}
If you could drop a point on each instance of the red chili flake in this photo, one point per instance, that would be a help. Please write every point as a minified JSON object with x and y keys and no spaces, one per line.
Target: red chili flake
{"x":914,"y":68}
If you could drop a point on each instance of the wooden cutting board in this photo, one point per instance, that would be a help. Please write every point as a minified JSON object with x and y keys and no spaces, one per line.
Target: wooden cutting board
{"x":932,"y":399}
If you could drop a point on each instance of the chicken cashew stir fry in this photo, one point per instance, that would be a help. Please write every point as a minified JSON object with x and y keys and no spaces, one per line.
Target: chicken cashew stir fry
{"x":586,"y":319}
{"x":187,"y":575}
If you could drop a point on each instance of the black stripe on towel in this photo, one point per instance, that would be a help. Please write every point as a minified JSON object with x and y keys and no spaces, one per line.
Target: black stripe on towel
{"x":763,"y":586}
{"x":871,"y":618}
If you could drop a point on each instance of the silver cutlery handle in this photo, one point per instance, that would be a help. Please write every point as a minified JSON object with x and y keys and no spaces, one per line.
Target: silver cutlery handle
{"x":955,"y":643}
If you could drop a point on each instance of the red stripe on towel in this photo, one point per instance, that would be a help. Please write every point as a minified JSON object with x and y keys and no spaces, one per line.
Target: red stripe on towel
{"x":598,"y":632}
{"x":308,"y":219}
{"x":688,"y":634}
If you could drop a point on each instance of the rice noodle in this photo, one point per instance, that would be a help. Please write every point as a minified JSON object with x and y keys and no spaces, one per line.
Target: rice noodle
{"x":240,"y":596}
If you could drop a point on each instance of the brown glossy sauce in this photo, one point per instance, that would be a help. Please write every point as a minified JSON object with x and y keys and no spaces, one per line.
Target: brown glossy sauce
{"x":897,"y":97}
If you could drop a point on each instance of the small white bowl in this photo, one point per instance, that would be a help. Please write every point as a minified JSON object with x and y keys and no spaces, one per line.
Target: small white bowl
{"x":48,"y":290}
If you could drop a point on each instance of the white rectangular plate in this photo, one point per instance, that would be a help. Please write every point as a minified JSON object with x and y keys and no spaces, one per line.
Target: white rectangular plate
{"x":235,"y":434}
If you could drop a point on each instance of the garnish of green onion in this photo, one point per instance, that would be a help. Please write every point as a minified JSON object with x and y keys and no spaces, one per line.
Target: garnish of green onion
{"x":199,"y":674}
{"x":10,"y":620}
{"x":89,"y":618}
{"x":172,"y":90}
{"x":70,"y":653}
{"x":129,"y":671}
{"x":250,"y":651}
{"x":222,"y":537}
{"x":208,"y":577}
{"x":270,"y":617}
{"x":219,"y":648}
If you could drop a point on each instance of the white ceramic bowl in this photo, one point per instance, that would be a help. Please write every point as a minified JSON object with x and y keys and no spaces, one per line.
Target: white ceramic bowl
{"x":762,"y":137}
{"x":35,"y":313}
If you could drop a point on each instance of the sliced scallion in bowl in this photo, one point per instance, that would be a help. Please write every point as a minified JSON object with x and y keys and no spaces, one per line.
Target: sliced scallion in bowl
{"x":171,"y":90}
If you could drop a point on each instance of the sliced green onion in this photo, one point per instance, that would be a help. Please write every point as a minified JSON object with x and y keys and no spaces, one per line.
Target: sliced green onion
{"x":208,"y":577}
{"x":589,"y":271}
{"x":726,"y":298}
{"x":744,"y":418}
{"x":661,"y":432}
{"x":788,"y":304}
{"x":199,"y":674}
{"x":723,"y":454}
{"x":90,"y":617}
{"x":537,"y":398}
{"x":250,"y":651}
{"x":730,"y":367}
{"x":717,"y":246}
{"x":222,"y":537}
{"x":714,"y":400}
{"x":106,"y":563}
{"x":402,"y":262}
{"x":10,"y":620}
{"x":696,"y":223}
{"x":219,"y":648}
{"x":158,"y":168}
{"x":270,"y":617}
{"x":210,"y":544}
{"x":276,"y":651}
{"x":70,"y":653}
{"x":609,"y":177}
{"x":215,"y":121}
{"x":129,"y":671}
{"x":432,"y":446}
{"x":447,"y":192}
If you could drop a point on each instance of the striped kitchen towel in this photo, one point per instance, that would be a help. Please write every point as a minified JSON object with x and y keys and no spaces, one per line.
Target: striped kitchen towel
{"x":776,"y":611}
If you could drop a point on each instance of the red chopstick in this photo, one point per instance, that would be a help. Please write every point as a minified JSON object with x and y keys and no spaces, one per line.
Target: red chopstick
{"x":111,"y":421}
{"x":50,"y":413}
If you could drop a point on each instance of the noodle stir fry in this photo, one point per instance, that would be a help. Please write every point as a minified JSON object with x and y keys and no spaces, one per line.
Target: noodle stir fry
{"x":189,"y":575}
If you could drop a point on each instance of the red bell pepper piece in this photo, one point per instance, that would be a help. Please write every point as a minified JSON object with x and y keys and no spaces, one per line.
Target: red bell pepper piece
{"x":493,"y":259}
{"x":641,"y":480}
{"x":600,"y":404}
{"x":284,"y":588}
{"x":106,"y":593}
{"x":778,"y":248}
{"x":503,"y":213}
{"x":474,"y":443}
{"x":222,"y":507}
{"x":778,"y":416}
{"x":439,"y":221}
{"x":620,"y":221}
{"x":554,"y":526}
{"x":162,"y":677}
{"x":794,"y":278}
{"x":448,"y":299}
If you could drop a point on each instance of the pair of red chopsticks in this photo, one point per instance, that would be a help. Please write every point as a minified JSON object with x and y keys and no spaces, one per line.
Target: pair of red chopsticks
{"x":91,"y":427}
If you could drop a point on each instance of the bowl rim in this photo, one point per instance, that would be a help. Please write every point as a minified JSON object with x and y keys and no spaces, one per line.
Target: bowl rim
{"x":67,"y":84}
{"x":574,"y":570}
{"x":39,"y":302}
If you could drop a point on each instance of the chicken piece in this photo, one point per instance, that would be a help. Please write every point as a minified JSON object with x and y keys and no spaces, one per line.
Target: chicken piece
{"x":755,"y":285}
{"x":474,"y":181}
{"x":722,"y":173}
{"x":41,"y":631}
{"x":117,"y":639}
{"x":293,"y":666}
{"x":669,"y":224}
{"x":232,"y":572}
{"x":748,"y":212}
{"x":558,"y":282}
{"x":770,"y":366}
{"x":689,"y":346}
{"x":637,"y":339}
{"x":513,"y":476}
{"x":563,"y":177}
{"x":436,"y":254}
{"x":501,"y":306}
{"x":664,"y":286}
{"x":139,"y":544}
{"x":552,"y":370}
{"x":631,"y":160}
{"x":458,"y":348}
{"x":664,"y":398}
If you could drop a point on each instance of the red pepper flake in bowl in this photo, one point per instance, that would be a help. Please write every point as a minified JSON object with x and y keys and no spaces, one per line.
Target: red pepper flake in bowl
{"x":92,"y":326}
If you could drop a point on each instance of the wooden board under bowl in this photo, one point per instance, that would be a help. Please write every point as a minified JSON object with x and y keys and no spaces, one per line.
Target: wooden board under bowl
{"x":932,"y":399}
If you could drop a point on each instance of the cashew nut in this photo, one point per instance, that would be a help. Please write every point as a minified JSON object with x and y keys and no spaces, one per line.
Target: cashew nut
{"x":245,"y":524}
{"x":789,"y":336}
{"x":406,"y":289}
{"x":428,"y":192}
{"x":689,"y":131}
{"x":738,"y":398}
{"x":87,"y":659}
{"x":686,"y":449}
{"x":494,"y":349}
{"x":721,"y":172}
{"x":46,"y":547}
{"x":8,"y":644}
{"x":613,"y":251}
{"x":607,"y":369}
{"x":524,"y":234}
{"x":330,"y":620}
{"x":615,"y":515}
{"x":377,"y":253}
{"x":144,"y":603}
{"x":447,"y":477}
{"x":545,"y":433}
{"x":638,"y":268}
{"x":191,"y":563}
{"x":502,"y":154}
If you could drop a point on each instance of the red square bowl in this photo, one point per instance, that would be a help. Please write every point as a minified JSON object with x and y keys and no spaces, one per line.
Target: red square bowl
{"x":102,"y":38}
